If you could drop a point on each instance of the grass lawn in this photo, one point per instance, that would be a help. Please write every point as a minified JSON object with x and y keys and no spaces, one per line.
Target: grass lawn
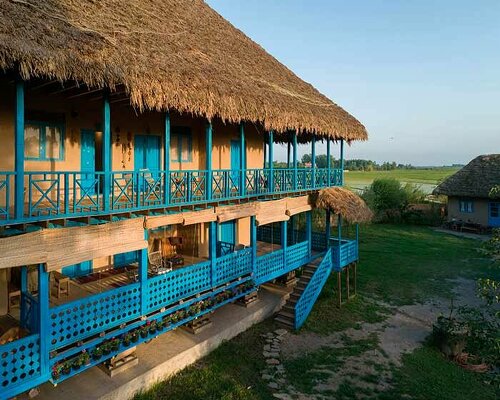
{"x":430,"y":176}
{"x":400,"y":265}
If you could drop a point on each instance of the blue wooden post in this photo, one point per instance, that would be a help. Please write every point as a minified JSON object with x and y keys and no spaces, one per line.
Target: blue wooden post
{"x":339,"y":231}
{"x":243,"y":159}
{"x":212,"y":250}
{"x":143,"y":275}
{"x":328,"y":228}
{"x":357,"y":241}
{"x":328,"y":163}
{"x":266,"y":139}
{"x":342,"y":162}
{"x":295,"y":161}
{"x":44,"y":318}
{"x":19,"y":151}
{"x":313,"y":161}
{"x":284,"y":241}
{"x":24,"y":290}
{"x":208,"y":159}
{"x":289,"y":145}
{"x":253,"y":242}
{"x":292,"y":229}
{"x":106,"y":149}
{"x":166,"y":157}
{"x":271,"y":166}
{"x":309,"y":232}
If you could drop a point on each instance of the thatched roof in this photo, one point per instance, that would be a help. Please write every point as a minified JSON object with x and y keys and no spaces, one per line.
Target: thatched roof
{"x":168,"y":54}
{"x":476,"y":179}
{"x":344,"y":202}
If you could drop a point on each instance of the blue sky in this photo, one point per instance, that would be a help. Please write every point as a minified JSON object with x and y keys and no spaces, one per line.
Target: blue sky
{"x":422,"y":75}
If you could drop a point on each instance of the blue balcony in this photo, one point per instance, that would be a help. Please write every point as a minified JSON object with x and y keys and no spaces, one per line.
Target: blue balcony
{"x":61,"y":194}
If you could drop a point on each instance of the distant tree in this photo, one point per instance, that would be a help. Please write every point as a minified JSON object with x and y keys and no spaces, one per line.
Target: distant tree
{"x":306,"y":158}
{"x":387,"y":198}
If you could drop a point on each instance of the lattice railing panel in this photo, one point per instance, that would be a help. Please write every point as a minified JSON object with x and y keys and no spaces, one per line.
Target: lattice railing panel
{"x":318,"y":241}
{"x":19,"y":362}
{"x":232,"y":266}
{"x":297,"y":255}
{"x":306,"y":302}
{"x":270,"y":266}
{"x":184,"y":282}
{"x":84,"y":317}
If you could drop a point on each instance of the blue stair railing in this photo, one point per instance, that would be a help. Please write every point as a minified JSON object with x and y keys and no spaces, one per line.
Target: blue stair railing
{"x":306,"y":302}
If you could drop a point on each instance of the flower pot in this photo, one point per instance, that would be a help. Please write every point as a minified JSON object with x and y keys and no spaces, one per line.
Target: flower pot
{"x":76,"y":367}
{"x":126,"y":343}
{"x":144,"y":335}
{"x":152,"y":331}
{"x":106,"y":352}
{"x":66,"y":370}
{"x":134,"y":339}
{"x":96,"y":356}
{"x":115,"y":347}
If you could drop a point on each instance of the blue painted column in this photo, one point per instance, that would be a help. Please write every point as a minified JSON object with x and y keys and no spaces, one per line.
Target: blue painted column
{"x":341,"y":162}
{"x":266,"y":139}
{"x":19,"y":150}
{"x":253,"y":243}
{"x":143,"y":275}
{"x":339,"y":232}
{"x":328,"y":228}
{"x":292,"y":229}
{"x":271,"y":166}
{"x":24,"y":290}
{"x":106,"y":149}
{"x":166,"y":157}
{"x":212,"y":250}
{"x":309,"y":232}
{"x":243,"y":158}
{"x":44,"y":318}
{"x":357,"y":241}
{"x":313,"y":161}
{"x":284,"y":241}
{"x":328,"y":163}
{"x":288,"y":154}
{"x":208,"y":159}
{"x":295,"y":162}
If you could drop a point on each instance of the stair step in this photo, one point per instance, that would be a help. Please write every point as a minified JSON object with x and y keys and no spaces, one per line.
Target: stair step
{"x":286,"y":314}
{"x":288,"y":309}
{"x":285,"y":322}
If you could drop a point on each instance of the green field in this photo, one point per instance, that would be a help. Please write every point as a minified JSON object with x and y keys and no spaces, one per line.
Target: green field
{"x":428,"y":177}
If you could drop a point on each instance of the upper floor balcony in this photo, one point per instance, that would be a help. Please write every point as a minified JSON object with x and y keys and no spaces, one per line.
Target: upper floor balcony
{"x":69,"y":153}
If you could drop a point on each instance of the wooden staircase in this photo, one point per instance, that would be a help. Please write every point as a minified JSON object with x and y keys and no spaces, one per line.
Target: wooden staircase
{"x":286,"y":316}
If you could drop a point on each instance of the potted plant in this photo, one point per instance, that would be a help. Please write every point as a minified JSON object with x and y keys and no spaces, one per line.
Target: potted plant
{"x":450,"y":335}
{"x":114,"y":344}
{"x":127,"y":338}
{"x":97,"y":353}
{"x":56,"y":371}
{"x":144,"y":330}
{"x":66,"y":368}
{"x":152,"y":327}
{"x":134,"y":336}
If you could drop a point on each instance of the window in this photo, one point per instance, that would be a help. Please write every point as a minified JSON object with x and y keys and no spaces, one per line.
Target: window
{"x":466,"y":206}
{"x":43,"y":141}
{"x":181,"y":144}
{"x":494,"y":210}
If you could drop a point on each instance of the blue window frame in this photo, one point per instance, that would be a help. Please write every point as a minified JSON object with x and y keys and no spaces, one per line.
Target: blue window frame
{"x":495,"y":210}
{"x":181,"y":144}
{"x":466,"y":206}
{"x":43,"y":141}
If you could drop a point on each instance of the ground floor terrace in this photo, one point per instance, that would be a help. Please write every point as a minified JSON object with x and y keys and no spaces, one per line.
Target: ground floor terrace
{"x":134,"y":279}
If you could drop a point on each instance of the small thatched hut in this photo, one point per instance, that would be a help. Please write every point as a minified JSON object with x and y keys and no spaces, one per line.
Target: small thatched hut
{"x":343,"y":202}
{"x":471,"y":199}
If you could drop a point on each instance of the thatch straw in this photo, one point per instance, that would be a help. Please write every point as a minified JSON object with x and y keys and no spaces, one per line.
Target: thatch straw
{"x":346,"y":203}
{"x":168,"y":54}
{"x":476,"y":179}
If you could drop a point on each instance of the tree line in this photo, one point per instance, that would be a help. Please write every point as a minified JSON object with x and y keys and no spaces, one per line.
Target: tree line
{"x":352,"y":165}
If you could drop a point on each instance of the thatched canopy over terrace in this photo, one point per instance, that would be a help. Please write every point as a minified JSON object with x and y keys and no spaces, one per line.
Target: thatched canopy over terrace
{"x":343,"y":202}
{"x":166,"y":54}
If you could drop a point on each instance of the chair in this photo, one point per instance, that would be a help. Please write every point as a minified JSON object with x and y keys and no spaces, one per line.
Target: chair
{"x":62,"y":283}
{"x":157,"y":263}
{"x":14,"y":293}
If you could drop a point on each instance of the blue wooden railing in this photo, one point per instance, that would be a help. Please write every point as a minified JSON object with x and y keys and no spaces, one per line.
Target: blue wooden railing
{"x":343,"y":254}
{"x":65,"y":194}
{"x":306,"y":302}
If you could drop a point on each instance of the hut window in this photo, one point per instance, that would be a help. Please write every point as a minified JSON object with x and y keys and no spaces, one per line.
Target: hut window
{"x":494,"y":210}
{"x":181,"y":144}
{"x":43,"y":141}
{"x":466,"y":206}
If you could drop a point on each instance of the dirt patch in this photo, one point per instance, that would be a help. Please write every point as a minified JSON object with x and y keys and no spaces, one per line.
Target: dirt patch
{"x":370,"y":372}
